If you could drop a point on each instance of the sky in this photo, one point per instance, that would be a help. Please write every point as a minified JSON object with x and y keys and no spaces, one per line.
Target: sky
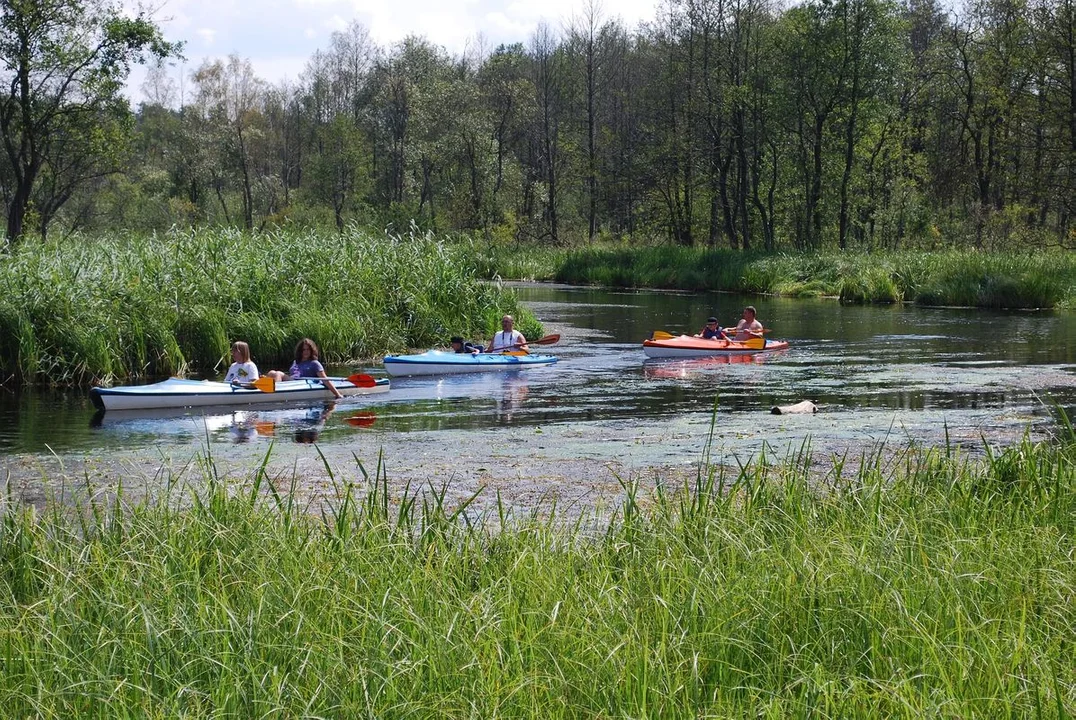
{"x":279,"y":36}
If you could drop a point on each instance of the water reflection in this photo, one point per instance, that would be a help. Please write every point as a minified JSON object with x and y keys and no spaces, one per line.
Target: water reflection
{"x":849,"y":359}
{"x":682,"y":369}
{"x":298,"y":424}
{"x":510,"y":399}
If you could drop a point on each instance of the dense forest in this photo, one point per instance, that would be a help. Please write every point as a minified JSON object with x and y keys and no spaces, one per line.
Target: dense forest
{"x":740,"y":124}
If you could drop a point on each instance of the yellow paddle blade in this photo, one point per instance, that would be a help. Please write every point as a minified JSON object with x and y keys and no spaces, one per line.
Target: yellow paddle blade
{"x":265,"y":384}
{"x":517,"y":353}
{"x":661,"y":335}
{"x":754,"y":343}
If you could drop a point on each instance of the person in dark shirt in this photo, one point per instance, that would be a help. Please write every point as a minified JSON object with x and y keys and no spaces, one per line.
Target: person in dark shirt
{"x":712,"y":331}
{"x":460,"y":345}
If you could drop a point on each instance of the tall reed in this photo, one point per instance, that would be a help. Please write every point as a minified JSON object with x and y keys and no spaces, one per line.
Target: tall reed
{"x":920,"y":584}
{"x":970,"y":278}
{"x":128,"y":305}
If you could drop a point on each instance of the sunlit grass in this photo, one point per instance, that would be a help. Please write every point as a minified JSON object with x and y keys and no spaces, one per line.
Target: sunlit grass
{"x":969,"y":278}
{"x":916,"y":585}
{"x":125,"y":305}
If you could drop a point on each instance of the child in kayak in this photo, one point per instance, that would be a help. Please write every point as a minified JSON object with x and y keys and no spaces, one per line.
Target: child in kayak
{"x":713,"y":331}
{"x":306,"y":365}
{"x":242,"y":369}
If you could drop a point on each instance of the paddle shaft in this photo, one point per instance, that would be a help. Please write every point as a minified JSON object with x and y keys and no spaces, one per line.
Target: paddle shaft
{"x":547,"y":340}
{"x":267,"y":384}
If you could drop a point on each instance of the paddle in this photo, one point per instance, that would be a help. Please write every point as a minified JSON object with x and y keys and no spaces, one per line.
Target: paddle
{"x":362,"y":380}
{"x":662,"y":335}
{"x":547,"y":340}
{"x":267,"y":384}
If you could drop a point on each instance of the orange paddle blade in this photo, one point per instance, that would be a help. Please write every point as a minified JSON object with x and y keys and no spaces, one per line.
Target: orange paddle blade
{"x":265,"y":384}
{"x":362,"y":380}
{"x":547,"y":340}
{"x":363,"y":419}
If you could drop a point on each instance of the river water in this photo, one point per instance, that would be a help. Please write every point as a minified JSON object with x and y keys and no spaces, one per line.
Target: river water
{"x":892,"y":376}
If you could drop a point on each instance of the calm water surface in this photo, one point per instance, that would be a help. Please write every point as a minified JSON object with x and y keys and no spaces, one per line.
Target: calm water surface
{"x":947,"y":367}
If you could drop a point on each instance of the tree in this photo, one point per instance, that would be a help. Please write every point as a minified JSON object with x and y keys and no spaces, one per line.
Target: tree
{"x":64,"y":64}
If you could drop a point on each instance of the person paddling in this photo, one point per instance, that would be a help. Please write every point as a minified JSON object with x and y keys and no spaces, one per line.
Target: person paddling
{"x":749,"y":327}
{"x":507,"y":339}
{"x":306,"y":365}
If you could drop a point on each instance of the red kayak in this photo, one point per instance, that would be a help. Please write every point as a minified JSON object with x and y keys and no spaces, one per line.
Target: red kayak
{"x":686,"y":346}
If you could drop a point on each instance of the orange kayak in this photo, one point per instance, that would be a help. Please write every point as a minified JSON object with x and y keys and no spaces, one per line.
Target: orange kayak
{"x":686,"y":346}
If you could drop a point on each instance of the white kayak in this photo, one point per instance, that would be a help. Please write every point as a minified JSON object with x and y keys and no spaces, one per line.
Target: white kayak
{"x":178,"y":393}
{"x":439,"y":362}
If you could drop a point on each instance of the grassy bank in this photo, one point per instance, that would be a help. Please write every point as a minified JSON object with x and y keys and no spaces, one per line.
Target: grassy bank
{"x":927,"y":586}
{"x":969,"y":278}
{"x":125,"y":305}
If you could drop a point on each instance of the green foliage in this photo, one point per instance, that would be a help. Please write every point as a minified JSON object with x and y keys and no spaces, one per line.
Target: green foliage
{"x":919,"y":585}
{"x":124,"y":305}
{"x":976,"y":279}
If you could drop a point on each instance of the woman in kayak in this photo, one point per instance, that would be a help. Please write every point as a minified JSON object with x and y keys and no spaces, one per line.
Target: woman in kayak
{"x":507,"y":339}
{"x":713,"y":331}
{"x":749,"y":326}
{"x":306,"y":365}
{"x":242,"y":369}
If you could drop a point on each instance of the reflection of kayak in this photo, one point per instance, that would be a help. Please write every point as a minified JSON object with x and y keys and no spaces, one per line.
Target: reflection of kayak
{"x":691,"y":346}
{"x":439,"y":362}
{"x":177,"y":393}
{"x":683,"y":367}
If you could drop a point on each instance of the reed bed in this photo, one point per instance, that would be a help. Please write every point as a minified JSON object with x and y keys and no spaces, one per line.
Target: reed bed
{"x":968,"y":278}
{"x":125,"y":305}
{"x":920,"y":585}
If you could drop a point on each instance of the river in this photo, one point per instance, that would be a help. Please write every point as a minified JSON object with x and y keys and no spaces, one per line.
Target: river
{"x":888,"y":377}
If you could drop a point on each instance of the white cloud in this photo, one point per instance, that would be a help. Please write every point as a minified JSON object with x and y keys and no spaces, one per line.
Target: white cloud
{"x":207,"y":35}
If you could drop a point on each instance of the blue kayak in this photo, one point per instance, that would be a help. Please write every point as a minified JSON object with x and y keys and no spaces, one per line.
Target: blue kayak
{"x":439,"y":362}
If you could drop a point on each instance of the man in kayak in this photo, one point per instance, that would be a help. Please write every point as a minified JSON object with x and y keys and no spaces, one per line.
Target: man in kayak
{"x":460,"y":345}
{"x":749,"y":327}
{"x":507,"y":339}
{"x":713,"y":331}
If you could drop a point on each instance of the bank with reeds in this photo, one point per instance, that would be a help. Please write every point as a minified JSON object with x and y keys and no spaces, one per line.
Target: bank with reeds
{"x":951,"y":277}
{"x":917,"y":586}
{"x":126,"y":305}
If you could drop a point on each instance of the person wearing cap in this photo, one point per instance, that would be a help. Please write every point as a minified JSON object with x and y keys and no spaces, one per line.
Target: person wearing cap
{"x":712,"y":331}
{"x":462,"y":346}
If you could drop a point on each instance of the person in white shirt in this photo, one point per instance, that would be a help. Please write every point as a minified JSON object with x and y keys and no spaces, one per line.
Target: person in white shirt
{"x":242,"y":370}
{"x":507,"y":339}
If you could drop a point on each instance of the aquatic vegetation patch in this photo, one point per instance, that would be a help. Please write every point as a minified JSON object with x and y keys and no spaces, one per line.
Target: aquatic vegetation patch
{"x":920,"y":584}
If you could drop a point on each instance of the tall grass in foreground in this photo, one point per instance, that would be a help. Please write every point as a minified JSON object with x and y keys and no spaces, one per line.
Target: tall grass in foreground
{"x":924,"y":586}
{"x":969,"y":278}
{"x":124,"y":305}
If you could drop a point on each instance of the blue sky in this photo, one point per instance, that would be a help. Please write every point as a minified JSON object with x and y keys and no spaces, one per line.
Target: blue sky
{"x":279,"y":36}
